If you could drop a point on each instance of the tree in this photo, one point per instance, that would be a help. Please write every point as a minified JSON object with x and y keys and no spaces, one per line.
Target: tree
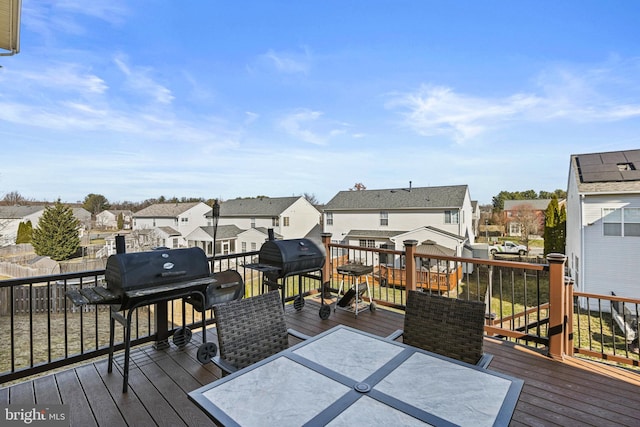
{"x":311,"y":198}
{"x":56,"y":235}
{"x":25,"y":230}
{"x":358,"y":186}
{"x":498,"y":201}
{"x":555,"y":223}
{"x":13,"y":198}
{"x":527,"y":218}
{"x":120,"y":221}
{"x":95,"y":203}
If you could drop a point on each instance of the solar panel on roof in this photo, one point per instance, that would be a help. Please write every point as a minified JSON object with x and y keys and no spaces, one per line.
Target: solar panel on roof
{"x":616,"y":166}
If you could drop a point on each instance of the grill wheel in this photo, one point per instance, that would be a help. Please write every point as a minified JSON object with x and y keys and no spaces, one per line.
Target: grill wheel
{"x":182,"y":336}
{"x":298,"y":303}
{"x":206,"y":352}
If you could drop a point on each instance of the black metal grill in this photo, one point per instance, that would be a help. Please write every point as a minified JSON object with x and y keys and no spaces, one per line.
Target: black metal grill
{"x":143,"y":278}
{"x":279,"y":259}
{"x":135,"y":278}
{"x":282,"y":258}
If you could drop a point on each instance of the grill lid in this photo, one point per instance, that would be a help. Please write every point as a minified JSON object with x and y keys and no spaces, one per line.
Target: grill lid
{"x":285,"y":257}
{"x":139,"y":270}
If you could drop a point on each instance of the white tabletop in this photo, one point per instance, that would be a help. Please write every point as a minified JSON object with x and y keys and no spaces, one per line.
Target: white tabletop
{"x":346,"y":377}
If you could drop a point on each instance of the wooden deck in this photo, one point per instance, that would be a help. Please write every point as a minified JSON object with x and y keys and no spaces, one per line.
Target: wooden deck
{"x":569,"y":393}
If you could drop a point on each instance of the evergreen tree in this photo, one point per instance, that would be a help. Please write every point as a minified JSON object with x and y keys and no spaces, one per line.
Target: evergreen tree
{"x":25,"y":229}
{"x":56,"y":235}
{"x":555,"y":225}
{"x":120,"y":221}
{"x":561,"y":235}
{"x":550,"y":224}
{"x":95,"y":203}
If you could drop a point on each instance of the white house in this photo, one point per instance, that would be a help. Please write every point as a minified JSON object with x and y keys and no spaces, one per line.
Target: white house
{"x":12,"y":216}
{"x":603,"y":222}
{"x":108,"y":219}
{"x":182,"y":217}
{"x":289,"y":217}
{"x":229,"y":239}
{"x":385,"y":218}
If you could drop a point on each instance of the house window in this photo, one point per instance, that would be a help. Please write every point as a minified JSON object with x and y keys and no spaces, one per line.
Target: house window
{"x":254,"y":247}
{"x":253,"y":223}
{"x":384,"y":218}
{"x":184,"y":219}
{"x":367,"y":243}
{"x":244,"y":247}
{"x":328,"y":217}
{"x":275,"y":221}
{"x":612,"y":222}
{"x":285,"y":220}
{"x":631,"y":221}
{"x":451,"y":217}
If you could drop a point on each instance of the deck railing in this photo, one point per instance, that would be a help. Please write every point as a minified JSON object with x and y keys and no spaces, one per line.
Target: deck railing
{"x":527,"y":303}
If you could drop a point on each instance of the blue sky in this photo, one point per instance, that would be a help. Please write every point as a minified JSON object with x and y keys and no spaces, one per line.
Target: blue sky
{"x":218,"y":99}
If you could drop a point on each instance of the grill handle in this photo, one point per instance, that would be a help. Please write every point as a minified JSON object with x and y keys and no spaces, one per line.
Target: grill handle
{"x":172,"y":273}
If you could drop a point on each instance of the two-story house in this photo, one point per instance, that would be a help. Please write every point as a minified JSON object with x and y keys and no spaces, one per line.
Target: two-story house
{"x":229,"y":239}
{"x":603,"y":222}
{"x":108,"y":219}
{"x":386,"y":218}
{"x":533,"y":211}
{"x":289,"y":217}
{"x":173,"y":220}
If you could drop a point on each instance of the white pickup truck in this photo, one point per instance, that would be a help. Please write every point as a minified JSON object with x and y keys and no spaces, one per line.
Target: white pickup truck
{"x":508,"y":248}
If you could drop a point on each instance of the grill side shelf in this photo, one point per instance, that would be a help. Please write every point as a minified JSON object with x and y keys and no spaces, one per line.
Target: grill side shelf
{"x":94,"y":295}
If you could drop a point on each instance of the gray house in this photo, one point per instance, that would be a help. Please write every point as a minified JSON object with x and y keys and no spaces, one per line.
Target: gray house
{"x":386,"y":218}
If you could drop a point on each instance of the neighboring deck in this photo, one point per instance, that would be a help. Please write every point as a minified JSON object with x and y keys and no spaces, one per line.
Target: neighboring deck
{"x":573,"y":393}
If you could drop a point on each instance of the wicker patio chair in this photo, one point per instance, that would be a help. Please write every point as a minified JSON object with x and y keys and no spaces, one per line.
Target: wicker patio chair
{"x":250,"y":330}
{"x":447,"y":326}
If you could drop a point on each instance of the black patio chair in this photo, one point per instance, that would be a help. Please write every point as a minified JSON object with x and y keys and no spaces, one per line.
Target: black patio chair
{"x":447,"y":326}
{"x":250,"y":330}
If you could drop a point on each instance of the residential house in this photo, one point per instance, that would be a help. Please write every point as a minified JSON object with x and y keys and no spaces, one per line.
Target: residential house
{"x":181,"y":217}
{"x":289,"y":217}
{"x":229,"y":239}
{"x":386,"y":218}
{"x":515,"y":210}
{"x":603,"y":222}
{"x":108,"y":219}
{"x":12,"y":216}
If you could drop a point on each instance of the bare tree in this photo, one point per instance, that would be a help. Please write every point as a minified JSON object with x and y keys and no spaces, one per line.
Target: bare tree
{"x":13,"y":198}
{"x":311,"y":198}
{"x":358,"y":186}
{"x":527,"y":218}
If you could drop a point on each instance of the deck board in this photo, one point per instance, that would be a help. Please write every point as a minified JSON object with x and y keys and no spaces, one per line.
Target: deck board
{"x":555,"y":393}
{"x":46,"y":390}
{"x":71,"y":394}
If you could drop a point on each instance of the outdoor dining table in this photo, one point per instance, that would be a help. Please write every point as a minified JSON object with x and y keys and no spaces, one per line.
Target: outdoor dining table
{"x":346,"y":377}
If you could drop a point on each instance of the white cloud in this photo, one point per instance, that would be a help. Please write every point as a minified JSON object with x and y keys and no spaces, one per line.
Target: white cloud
{"x":250,"y":117}
{"x":113,"y":11}
{"x":561,"y":93}
{"x":287,"y":62}
{"x":438,"y":110}
{"x":67,"y":77}
{"x":139,"y":80}
{"x":297,"y":123}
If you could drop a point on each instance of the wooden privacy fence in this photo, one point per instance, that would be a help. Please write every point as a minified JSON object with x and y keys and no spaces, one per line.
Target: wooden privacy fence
{"x":40,"y":298}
